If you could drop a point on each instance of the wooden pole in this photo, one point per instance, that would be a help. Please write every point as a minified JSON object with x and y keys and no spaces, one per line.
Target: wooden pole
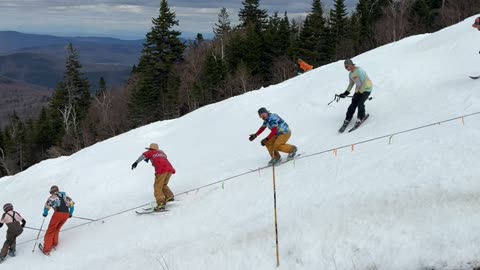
{"x":275,"y":214}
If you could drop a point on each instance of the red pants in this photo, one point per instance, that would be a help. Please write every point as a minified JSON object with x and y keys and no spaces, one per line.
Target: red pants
{"x":51,"y":236}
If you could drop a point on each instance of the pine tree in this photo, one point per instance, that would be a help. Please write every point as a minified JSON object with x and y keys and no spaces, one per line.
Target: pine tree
{"x":339,"y":29}
{"x":222,"y":26}
{"x":251,"y":14}
{"x":102,"y":87}
{"x":155,"y":95}
{"x":310,"y":44}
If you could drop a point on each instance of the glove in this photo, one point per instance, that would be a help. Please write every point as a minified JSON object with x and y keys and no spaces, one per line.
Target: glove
{"x":252,"y":137}
{"x":344,"y":94}
{"x":70,"y":216}
{"x":45,"y":212}
{"x":134,"y":165}
{"x":264,"y":141}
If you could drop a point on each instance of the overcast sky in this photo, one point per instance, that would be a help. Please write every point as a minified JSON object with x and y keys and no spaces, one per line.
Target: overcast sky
{"x":128,"y":19}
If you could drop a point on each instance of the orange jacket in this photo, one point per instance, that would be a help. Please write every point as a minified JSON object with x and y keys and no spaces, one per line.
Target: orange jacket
{"x":304,"y":66}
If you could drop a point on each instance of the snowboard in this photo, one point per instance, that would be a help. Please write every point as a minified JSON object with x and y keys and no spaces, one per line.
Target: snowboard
{"x":357,"y":125}
{"x":474,"y":77}
{"x":40,"y":246}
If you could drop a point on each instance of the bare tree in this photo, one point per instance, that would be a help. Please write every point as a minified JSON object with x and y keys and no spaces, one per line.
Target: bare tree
{"x":3,"y":162}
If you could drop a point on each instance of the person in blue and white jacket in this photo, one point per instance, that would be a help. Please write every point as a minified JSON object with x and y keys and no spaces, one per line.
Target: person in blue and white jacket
{"x":276,"y":141}
{"x":63,"y":207}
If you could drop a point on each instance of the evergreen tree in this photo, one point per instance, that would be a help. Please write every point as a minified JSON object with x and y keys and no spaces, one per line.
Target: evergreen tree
{"x":339,"y":28}
{"x":251,"y":14}
{"x":102,"y":87}
{"x":310,"y":42}
{"x":155,"y":95}
{"x":222,"y":26}
{"x":77,"y":86}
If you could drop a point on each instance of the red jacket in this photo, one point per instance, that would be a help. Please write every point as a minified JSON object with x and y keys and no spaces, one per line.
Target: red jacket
{"x":159,"y":161}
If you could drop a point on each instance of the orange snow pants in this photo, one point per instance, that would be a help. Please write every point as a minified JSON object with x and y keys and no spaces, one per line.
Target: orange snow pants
{"x":51,"y":236}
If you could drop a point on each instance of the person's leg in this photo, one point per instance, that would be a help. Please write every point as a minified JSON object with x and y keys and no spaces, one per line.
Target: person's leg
{"x":271,"y":148}
{"x":63,"y":217}
{"x":361,"y":105}
{"x":353,"y":106}
{"x":281,"y":143}
{"x":166,"y":190}
{"x":158,"y":188}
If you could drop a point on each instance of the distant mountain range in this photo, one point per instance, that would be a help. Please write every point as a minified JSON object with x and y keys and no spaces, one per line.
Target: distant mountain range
{"x":32,"y":65}
{"x":40,"y":59}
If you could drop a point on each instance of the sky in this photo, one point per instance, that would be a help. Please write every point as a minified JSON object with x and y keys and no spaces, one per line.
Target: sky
{"x":404,"y":201}
{"x":127,"y":19}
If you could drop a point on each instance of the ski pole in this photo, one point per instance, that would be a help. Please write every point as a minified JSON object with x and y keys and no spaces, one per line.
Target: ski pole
{"x":38,"y":235}
{"x":32,"y":228}
{"x":89,"y":219}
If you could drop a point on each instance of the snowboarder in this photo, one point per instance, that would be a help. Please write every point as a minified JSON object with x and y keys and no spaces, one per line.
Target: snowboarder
{"x":163,"y":172}
{"x":363,"y":87}
{"x":476,"y":24}
{"x":63,"y":207}
{"x":12,"y":219}
{"x":277,"y":139}
{"x":303,"y":66}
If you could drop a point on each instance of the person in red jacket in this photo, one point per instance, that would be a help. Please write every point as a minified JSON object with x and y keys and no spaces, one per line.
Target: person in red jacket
{"x":163,"y":172}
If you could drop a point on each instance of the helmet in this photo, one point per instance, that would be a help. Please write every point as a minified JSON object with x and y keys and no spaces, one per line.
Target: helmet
{"x":153,"y":146}
{"x":262,"y":110}
{"x":7,"y":207}
{"x":348,"y":62}
{"x":54,"y":189}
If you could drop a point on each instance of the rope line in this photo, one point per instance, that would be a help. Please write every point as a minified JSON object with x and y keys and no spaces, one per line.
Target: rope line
{"x":334,"y":150}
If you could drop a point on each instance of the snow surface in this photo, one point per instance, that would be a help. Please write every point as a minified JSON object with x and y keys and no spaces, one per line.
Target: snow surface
{"x":410,"y":201}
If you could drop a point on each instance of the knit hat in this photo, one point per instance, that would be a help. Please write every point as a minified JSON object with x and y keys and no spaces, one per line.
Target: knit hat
{"x":7,"y":207}
{"x":348,"y":62}
{"x":54,"y":189}
{"x":153,"y":146}
{"x":262,"y":110}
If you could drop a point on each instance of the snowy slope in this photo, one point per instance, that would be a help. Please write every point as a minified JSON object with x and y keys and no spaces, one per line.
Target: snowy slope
{"x":404,"y":202}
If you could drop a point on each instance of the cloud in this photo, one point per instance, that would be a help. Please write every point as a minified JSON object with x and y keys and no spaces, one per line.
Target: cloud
{"x":132,"y":16}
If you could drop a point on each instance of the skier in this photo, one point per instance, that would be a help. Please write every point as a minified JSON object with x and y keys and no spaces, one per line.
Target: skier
{"x":276,"y":140}
{"x":163,"y":172}
{"x":363,"y":87}
{"x":476,"y":24}
{"x":12,"y":219}
{"x":303,"y":66}
{"x":63,"y":207}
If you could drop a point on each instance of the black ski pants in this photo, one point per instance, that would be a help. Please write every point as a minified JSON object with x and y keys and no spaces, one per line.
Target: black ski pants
{"x":358,"y":100}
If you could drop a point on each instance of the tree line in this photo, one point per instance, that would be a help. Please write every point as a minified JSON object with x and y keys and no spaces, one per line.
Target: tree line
{"x":172,"y":79}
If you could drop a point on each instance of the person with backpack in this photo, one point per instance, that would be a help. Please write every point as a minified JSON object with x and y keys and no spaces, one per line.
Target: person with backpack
{"x":277,"y":139}
{"x":163,"y":172}
{"x":63,"y":207}
{"x":363,"y":87}
{"x":12,"y":219}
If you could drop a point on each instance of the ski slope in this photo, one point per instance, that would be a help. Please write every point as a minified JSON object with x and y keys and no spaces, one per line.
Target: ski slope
{"x":408,"y":201}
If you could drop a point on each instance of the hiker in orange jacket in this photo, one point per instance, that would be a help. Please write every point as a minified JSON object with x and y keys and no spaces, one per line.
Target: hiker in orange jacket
{"x":303,"y":66}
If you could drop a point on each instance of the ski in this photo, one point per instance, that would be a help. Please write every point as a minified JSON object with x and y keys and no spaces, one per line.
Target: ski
{"x":357,"y":125}
{"x":343,"y":127}
{"x":40,"y":246}
{"x":149,"y":211}
{"x":474,"y":77}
